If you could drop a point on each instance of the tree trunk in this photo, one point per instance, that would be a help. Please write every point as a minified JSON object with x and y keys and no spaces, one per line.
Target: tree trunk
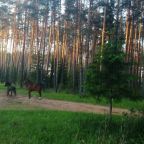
{"x":110,"y":107}
{"x":23,"y":54}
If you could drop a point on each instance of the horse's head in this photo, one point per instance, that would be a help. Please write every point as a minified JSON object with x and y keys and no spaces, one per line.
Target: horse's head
{"x":26,"y":83}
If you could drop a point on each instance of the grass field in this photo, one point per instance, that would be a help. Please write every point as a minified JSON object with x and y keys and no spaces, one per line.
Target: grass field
{"x":50,"y":94}
{"x":52,"y":127}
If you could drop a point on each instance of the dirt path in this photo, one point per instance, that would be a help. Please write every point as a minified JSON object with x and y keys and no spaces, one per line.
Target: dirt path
{"x":24,"y":102}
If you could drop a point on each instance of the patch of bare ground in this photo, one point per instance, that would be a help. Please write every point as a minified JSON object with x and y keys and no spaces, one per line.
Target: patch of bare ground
{"x":23,"y":102}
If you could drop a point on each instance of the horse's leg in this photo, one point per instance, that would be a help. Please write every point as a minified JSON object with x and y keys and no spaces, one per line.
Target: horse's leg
{"x":40,"y":93}
{"x":29,"y":94}
{"x":7,"y":92}
{"x":15,"y":92}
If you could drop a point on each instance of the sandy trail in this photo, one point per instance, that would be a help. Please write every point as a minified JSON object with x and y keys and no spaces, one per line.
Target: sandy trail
{"x":34,"y":102}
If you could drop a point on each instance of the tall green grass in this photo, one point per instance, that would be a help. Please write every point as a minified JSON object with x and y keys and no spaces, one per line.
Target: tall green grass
{"x":52,"y":127}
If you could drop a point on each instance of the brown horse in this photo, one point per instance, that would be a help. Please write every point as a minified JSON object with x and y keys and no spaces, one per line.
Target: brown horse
{"x":33,"y":87}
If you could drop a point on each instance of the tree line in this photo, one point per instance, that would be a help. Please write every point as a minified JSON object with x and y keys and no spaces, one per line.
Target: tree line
{"x":72,"y":44}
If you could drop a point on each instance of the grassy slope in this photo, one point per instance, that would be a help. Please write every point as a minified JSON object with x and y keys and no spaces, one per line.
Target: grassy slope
{"x":52,"y":127}
{"x":124,"y":103}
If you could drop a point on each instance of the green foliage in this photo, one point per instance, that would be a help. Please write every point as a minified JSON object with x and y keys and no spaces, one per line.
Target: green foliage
{"x":107,"y":75}
{"x":93,"y":78}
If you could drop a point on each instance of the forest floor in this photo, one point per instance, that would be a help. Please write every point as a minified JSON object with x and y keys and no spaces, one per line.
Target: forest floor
{"x":22,"y":102}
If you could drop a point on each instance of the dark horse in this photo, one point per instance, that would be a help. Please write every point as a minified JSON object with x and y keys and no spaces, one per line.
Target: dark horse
{"x":10,"y":89}
{"x":33,"y":87}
